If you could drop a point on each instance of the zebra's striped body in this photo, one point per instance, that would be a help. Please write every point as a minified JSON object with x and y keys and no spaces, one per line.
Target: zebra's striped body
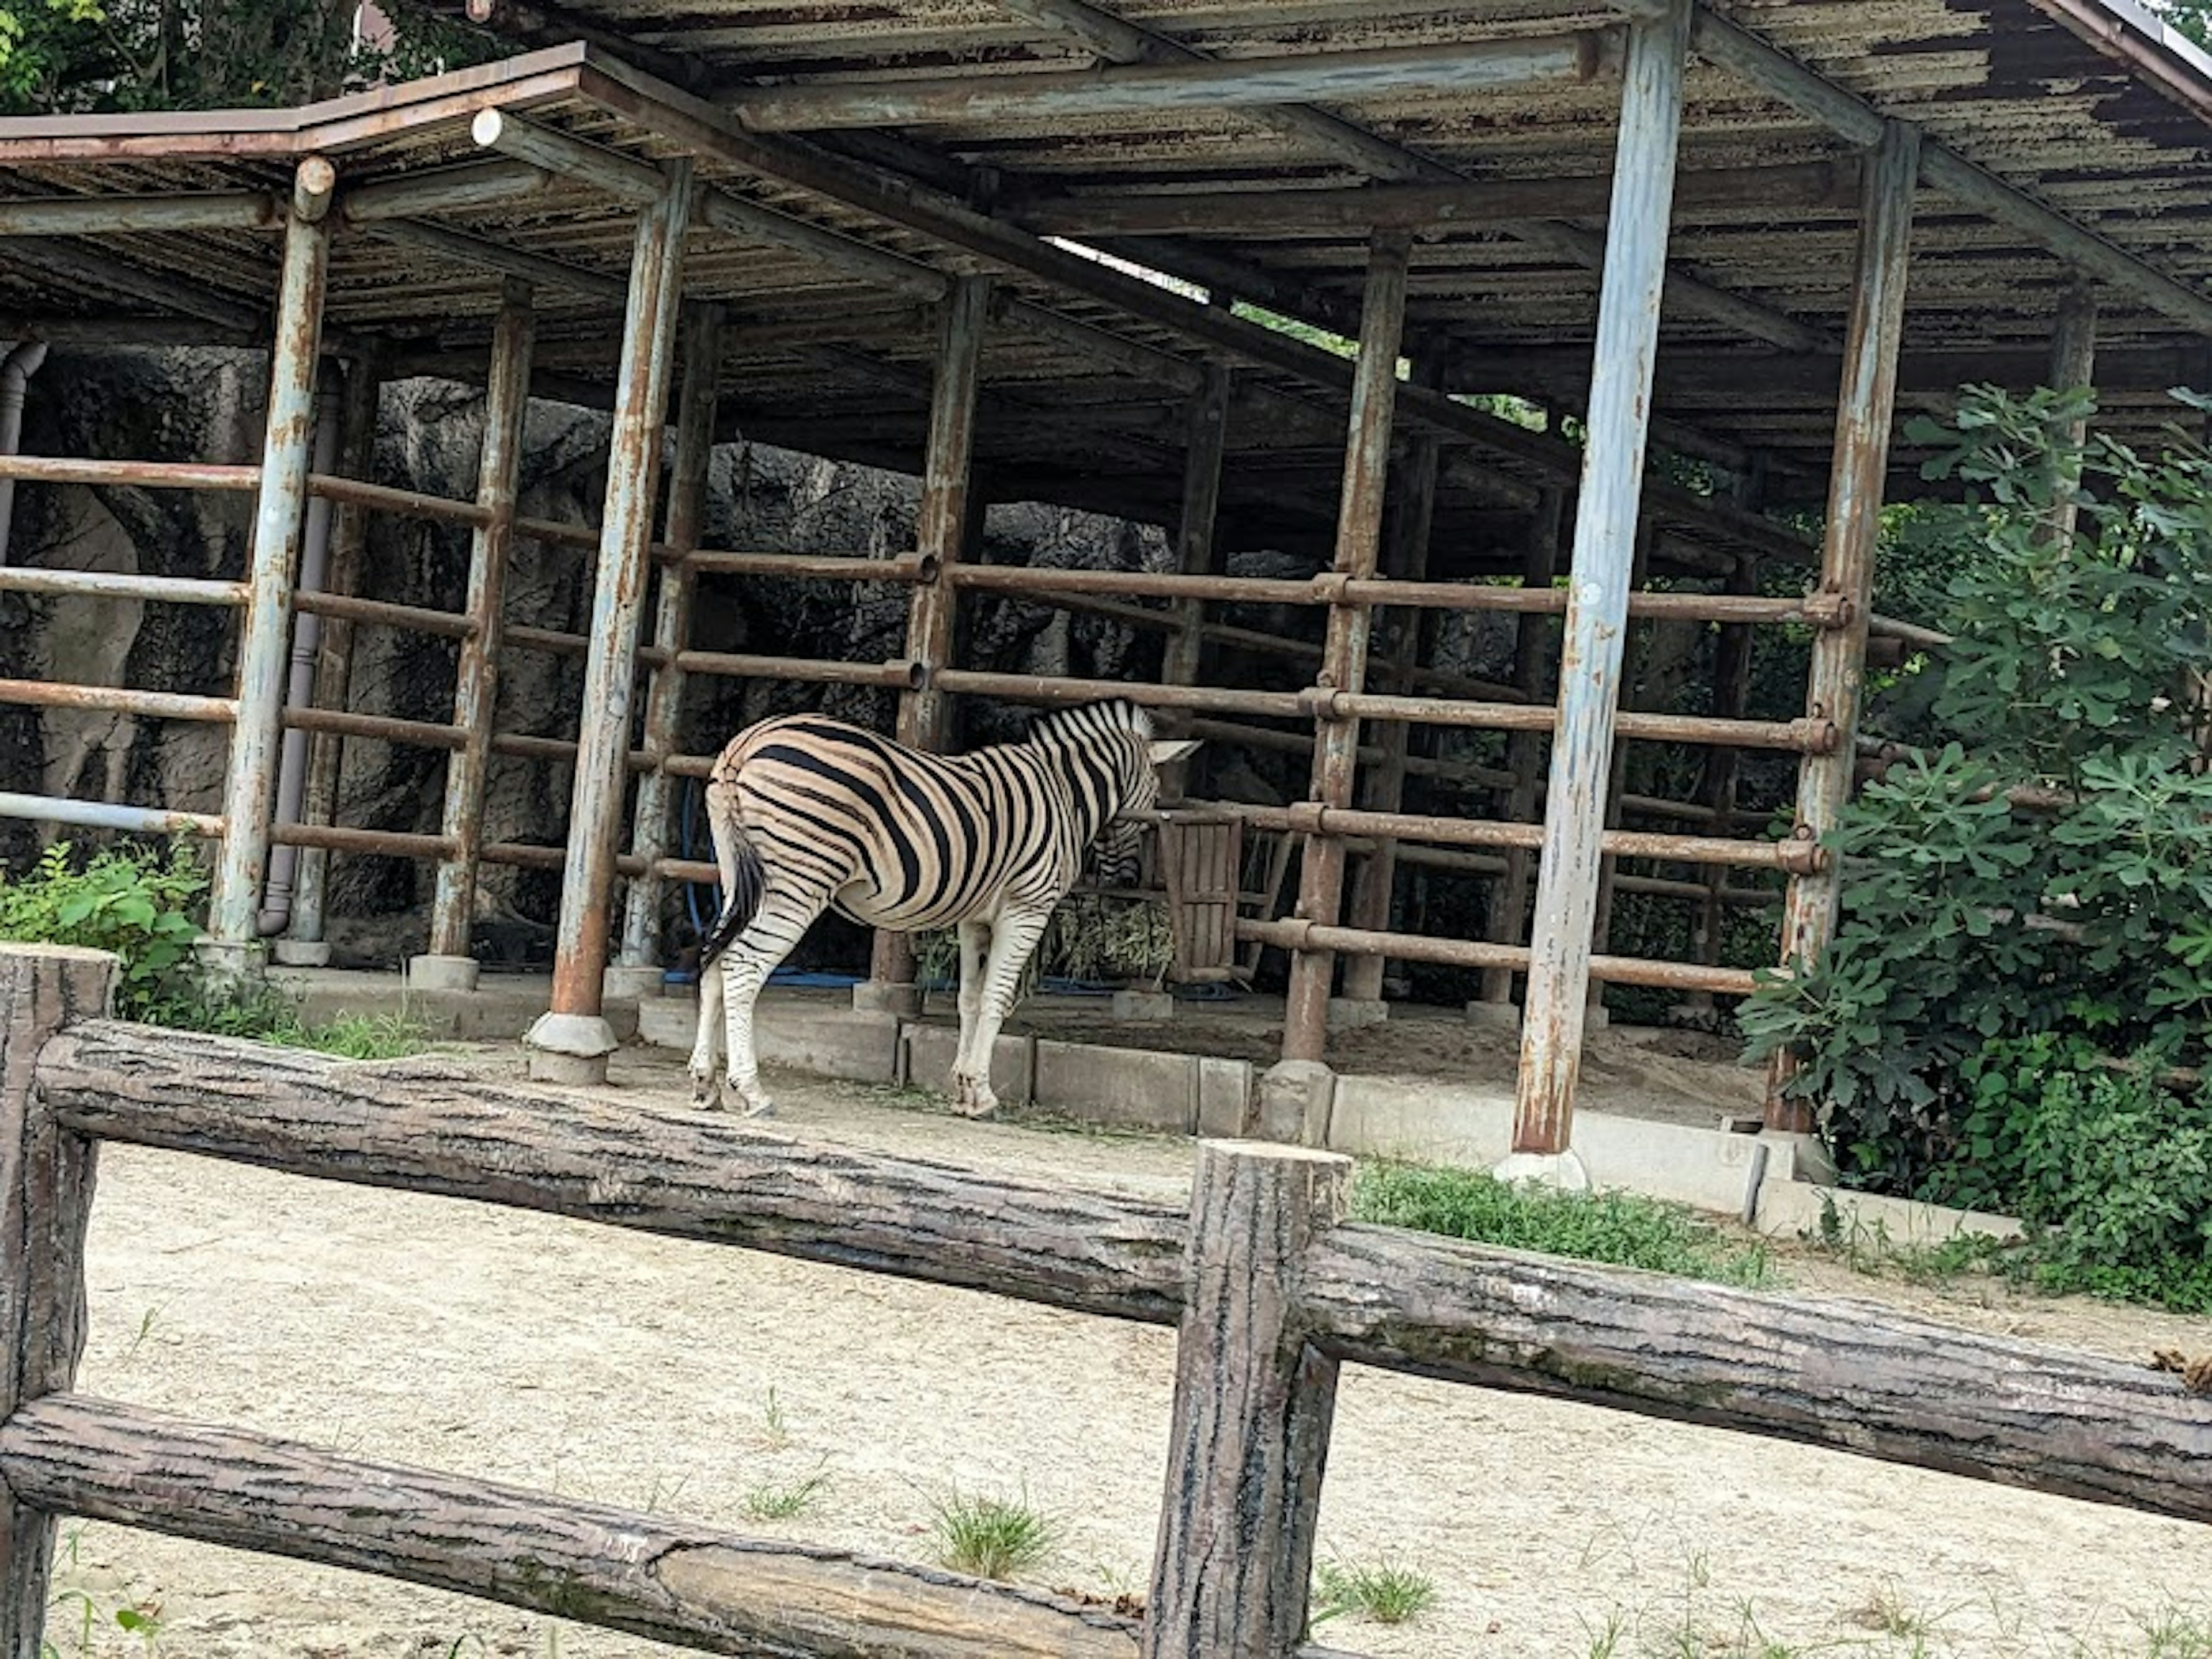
{"x":810,"y":813}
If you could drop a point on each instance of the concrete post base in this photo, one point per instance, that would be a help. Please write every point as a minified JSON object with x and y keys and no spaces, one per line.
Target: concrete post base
{"x":429,"y":973}
{"x":569,"y":1049}
{"x":1352,"y":1013}
{"x":301,"y":953}
{"x":1494,"y":1016}
{"x":1295,"y":1097}
{"x":1563,"y":1172}
{"x":878,"y":997}
{"x":1808,"y":1158}
{"x":228,"y":962}
{"x":631,"y":981}
{"x":1596,"y":1017}
{"x":1144,"y":1005}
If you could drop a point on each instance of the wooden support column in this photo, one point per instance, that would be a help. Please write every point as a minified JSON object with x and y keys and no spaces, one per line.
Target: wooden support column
{"x":925,"y":715}
{"x":1524,"y":759}
{"x":1861,"y":466}
{"x":280,"y":517}
{"x":1633,"y":650}
{"x":1184,"y":660}
{"x":302,"y":945}
{"x":570,"y":1044}
{"x":46,"y":1200}
{"x":1254,"y":1402}
{"x":1344,"y":660}
{"x":701,"y":353}
{"x":1382,"y":789}
{"x":2073,"y":368}
{"x":448,"y":966}
{"x":1597,"y":596}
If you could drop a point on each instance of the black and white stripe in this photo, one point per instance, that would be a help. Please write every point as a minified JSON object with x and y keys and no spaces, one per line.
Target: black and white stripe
{"x":810,"y":813}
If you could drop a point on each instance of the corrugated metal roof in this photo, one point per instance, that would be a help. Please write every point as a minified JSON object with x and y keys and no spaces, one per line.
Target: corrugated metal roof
{"x":2087,"y":104}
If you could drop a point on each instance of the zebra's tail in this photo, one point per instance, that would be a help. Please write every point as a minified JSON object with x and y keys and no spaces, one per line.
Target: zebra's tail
{"x":743,"y":877}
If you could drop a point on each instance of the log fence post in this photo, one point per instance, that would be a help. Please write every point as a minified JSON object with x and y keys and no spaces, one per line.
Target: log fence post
{"x":1254,"y":1402}
{"x":45,"y":1199}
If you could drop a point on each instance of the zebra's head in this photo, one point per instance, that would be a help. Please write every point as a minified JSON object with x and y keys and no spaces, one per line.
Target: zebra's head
{"x":1112,"y":763}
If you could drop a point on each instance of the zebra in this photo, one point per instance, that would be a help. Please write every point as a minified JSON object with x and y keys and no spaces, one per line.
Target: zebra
{"x":810,"y":813}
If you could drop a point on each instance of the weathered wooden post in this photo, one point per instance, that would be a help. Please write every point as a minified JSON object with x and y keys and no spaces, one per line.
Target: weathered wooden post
{"x":1524,"y":757}
{"x":1254,"y":1402}
{"x":1295,"y":1096}
{"x":302,"y":945}
{"x":571,"y":1041}
{"x":924,"y":716}
{"x":280,"y":519}
{"x":45,"y":1198}
{"x":1621,"y":375}
{"x":1197,"y":550}
{"x":702,"y":354}
{"x":1382,"y":789}
{"x":2073,"y":368}
{"x":449,"y":966}
{"x":1634,"y":649}
{"x":1858,"y":475}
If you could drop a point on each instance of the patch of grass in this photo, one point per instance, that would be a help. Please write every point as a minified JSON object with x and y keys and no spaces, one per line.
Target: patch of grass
{"x":990,"y":1537}
{"x":774,"y":1500}
{"x":1384,"y":1591}
{"x":1620,"y":1228}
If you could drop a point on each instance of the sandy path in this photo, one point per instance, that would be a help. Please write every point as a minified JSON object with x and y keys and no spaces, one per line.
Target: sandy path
{"x":641,"y":1371}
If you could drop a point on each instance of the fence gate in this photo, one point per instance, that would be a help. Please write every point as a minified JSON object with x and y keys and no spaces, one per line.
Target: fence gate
{"x":1201,"y":856}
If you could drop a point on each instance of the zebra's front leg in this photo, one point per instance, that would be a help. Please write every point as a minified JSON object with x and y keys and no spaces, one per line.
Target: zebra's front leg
{"x":975,"y":941}
{"x":1013,"y":939}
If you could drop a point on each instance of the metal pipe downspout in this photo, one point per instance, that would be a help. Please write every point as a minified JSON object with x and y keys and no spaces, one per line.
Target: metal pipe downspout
{"x":15,"y":374}
{"x":300,"y":691}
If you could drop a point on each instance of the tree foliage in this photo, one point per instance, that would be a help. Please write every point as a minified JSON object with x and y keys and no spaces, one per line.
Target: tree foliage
{"x":74,"y":56}
{"x":2081,"y":916}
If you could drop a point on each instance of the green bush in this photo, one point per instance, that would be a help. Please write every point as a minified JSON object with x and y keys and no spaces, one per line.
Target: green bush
{"x":2057,"y":883}
{"x":137,"y":903}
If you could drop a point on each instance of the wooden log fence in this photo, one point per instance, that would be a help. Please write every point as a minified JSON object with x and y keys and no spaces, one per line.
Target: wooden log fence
{"x":1272,"y":1290}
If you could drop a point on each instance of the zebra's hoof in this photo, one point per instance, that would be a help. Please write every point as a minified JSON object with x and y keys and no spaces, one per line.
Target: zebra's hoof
{"x":706,"y":1096}
{"x":763,"y":1107}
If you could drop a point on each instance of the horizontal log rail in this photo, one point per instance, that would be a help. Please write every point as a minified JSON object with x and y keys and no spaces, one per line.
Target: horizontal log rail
{"x":120,"y":699}
{"x":645,"y":1574}
{"x":1876,"y":1382}
{"x":1912,"y":634}
{"x":120,"y":585}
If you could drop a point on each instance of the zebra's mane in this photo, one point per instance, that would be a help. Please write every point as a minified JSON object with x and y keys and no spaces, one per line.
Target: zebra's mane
{"x":1116,"y":714}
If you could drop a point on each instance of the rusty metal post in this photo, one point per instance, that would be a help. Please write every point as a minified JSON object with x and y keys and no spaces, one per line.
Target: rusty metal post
{"x":1860,"y":469}
{"x":701,"y":353}
{"x":1524,"y":760}
{"x":1382,"y":789}
{"x":1619,"y":419}
{"x":1183,"y":662}
{"x":1344,"y":660}
{"x":448,"y":966}
{"x":233,"y":948}
{"x":941,"y":532}
{"x":570,"y":1044}
{"x":302,"y":946}
{"x":2073,"y":368}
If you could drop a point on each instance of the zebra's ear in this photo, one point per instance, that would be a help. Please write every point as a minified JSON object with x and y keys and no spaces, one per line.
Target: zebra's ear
{"x":1175,"y":750}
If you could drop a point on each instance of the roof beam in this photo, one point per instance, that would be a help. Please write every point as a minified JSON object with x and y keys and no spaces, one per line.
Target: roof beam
{"x":1728,"y":47}
{"x":76,"y":267}
{"x":1489,"y":203}
{"x":711,"y":132}
{"x":111,"y":216}
{"x":1195,"y":83}
{"x":489,"y":255}
{"x":1355,"y":147}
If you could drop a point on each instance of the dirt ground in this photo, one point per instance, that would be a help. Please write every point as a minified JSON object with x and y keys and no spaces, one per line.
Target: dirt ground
{"x":683,"y":1378}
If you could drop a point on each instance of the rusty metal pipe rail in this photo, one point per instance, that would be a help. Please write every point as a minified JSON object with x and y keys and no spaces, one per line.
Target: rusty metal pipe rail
{"x":337,"y":838}
{"x":145,"y":475}
{"x":400,"y":503}
{"x":384,"y":728}
{"x":415,"y":618}
{"x":1306,"y":817}
{"x":107,"y":815}
{"x":121,"y":700}
{"x":1295,"y":935}
{"x":120,"y":585}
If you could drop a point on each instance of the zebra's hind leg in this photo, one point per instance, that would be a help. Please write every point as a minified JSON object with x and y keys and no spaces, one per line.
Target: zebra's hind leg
{"x":767,"y":938}
{"x":1014,"y":938}
{"x":706,"y":1064}
{"x":975,"y":941}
